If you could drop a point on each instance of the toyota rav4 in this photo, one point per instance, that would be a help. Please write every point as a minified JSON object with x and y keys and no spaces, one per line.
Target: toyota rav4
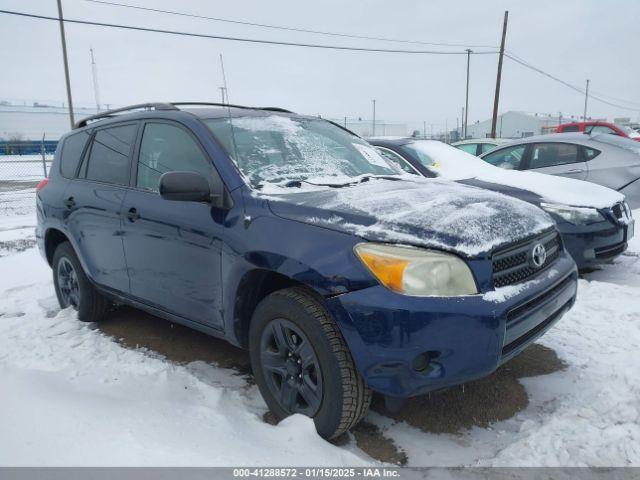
{"x":294,"y":238}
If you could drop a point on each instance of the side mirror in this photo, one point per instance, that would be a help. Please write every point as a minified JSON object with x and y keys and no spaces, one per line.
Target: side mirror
{"x":185,"y":187}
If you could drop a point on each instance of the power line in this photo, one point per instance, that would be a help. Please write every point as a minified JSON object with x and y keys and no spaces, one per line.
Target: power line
{"x":526,"y":64}
{"x":240,"y":39}
{"x":280,"y":27}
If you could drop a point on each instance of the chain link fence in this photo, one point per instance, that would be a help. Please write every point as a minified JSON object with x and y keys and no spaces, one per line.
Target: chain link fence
{"x":22,"y":166}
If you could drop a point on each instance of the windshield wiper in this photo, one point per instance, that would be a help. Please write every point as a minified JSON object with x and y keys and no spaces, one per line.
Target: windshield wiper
{"x":365,"y":178}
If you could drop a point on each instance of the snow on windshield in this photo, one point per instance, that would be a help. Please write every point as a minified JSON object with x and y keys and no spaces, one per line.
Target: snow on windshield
{"x":454,"y":164}
{"x":426,"y":212}
{"x":277,"y":149}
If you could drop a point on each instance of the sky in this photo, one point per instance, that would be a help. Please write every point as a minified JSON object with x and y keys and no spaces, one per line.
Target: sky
{"x":573,"y":40}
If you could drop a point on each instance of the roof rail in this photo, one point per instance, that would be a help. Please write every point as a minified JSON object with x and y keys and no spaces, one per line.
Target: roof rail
{"x":214,"y":104}
{"x":110,"y":113}
{"x":167,"y":106}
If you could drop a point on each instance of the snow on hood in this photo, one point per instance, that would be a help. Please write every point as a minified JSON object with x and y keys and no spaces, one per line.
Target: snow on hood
{"x":454,"y":164}
{"x":418,"y":211}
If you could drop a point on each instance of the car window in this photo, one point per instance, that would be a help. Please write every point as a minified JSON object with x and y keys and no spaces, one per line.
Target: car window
{"x":471,"y":148}
{"x":71,"y":155}
{"x":593,"y":129}
{"x":167,"y":148}
{"x":509,"y":157}
{"x":551,"y":154}
{"x":109,"y":157}
{"x":485,"y":147}
{"x":590,"y":153}
{"x":396,"y":160}
{"x":569,"y":128}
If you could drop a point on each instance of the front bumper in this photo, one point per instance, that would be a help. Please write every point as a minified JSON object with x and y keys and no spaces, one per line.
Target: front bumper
{"x":590,"y":245}
{"x":463,"y":338}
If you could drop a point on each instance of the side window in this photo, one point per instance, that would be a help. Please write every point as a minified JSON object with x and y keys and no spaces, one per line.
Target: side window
{"x":569,"y":128}
{"x":109,"y":157}
{"x":599,"y":129}
{"x":590,"y":153}
{"x":396,"y":160}
{"x":72,"y":153}
{"x":509,"y":158}
{"x":485,"y":147}
{"x":551,"y":154}
{"x":471,"y":148}
{"x":168,"y":148}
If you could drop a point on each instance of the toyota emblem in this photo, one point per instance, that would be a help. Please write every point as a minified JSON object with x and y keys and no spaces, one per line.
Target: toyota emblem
{"x":538,"y":255}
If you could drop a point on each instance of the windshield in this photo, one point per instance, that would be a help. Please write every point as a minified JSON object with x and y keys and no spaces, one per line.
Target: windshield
{"x":281,"y":151}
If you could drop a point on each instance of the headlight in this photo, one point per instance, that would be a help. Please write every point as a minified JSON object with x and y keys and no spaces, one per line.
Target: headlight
{"x":575,"y":215}
{"x":417,"y":272}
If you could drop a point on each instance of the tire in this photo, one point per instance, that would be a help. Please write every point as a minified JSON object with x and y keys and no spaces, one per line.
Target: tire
{"x":331,"y":391}
{"x":74,"y":289}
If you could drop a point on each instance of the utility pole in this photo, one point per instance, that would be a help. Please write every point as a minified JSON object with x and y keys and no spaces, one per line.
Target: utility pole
{"x":496,"y":99}
{"x":424,"y":129}
{"x":462,"y":126}
{"x":586,"y":97}
{"x":94,"y":73}
{"x":222,"y":94}
{"x":373,"y":134}
{"x":66,"y":62}
{"x":466,"y":102}
{"x":225,"y":92}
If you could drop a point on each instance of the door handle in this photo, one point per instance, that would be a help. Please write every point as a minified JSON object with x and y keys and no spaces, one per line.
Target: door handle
{"x":69,"y":202}
{"x":133,"y":215}
{"x":575,"y":170}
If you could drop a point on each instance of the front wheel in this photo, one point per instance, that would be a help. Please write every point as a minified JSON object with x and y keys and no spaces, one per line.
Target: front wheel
{"x":302,"y":364}
{"x":73,"y":288}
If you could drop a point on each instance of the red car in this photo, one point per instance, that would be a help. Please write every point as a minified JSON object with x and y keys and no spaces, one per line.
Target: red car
{"x":599,"y":127}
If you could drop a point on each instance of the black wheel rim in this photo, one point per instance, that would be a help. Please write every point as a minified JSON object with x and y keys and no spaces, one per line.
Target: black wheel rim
{"x":291,"y":368}
{"x":68,"y":284}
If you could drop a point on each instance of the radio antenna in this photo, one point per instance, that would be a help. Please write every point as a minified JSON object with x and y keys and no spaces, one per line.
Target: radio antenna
{"x":233,"y":135}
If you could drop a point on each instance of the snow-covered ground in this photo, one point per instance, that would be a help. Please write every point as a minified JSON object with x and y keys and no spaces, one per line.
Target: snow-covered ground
{"x":71,"y":395}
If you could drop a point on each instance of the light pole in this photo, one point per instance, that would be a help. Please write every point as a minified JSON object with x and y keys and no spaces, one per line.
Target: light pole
{"x":66,"y":62}
{"x":586,"y":97}
{"x":466,"y":102}
{"x":373,"y":133}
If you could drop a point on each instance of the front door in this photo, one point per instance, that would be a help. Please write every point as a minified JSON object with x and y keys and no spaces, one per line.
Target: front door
{"x":173,"y":249}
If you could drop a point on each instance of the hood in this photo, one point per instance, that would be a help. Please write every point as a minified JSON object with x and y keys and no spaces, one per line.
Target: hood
{"x":419,"y":211}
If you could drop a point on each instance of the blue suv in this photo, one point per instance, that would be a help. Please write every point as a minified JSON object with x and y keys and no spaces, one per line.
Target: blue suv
{"x":290,"y":236}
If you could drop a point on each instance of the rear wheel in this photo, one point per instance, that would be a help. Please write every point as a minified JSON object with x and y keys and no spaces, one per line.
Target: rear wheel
{"x":73,"y":288}
{"x":302,"y":364}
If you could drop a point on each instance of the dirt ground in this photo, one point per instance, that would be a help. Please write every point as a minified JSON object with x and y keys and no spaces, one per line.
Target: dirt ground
{"x":479,"y":403}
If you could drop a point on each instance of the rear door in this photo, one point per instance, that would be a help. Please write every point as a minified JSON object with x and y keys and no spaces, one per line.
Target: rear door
{"x":173,"y":249}
{"x":556,"y":158}
{"x":94,"y":200}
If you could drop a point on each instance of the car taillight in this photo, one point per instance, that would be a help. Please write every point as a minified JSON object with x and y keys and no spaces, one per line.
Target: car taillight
{"x":42,"y":184}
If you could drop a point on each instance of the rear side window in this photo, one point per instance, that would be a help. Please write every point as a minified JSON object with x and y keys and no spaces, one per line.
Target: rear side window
{"x":72,"y":153}
{"x":551,"y":154}
{"x":590,"y":153}
{"x":109,"y":157}
{"x":167,"y":148}
{"x":569,"y":128}
{"x":593,"y":129}
{"x":471,"y":148}
{"x":396,"y":160}
{"x":485,"y":147}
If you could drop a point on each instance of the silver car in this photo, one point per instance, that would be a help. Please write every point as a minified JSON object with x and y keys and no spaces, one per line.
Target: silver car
{"x":605,"y":159}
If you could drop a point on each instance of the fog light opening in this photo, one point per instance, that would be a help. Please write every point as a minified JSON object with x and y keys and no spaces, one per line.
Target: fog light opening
{"x":421,"y":362}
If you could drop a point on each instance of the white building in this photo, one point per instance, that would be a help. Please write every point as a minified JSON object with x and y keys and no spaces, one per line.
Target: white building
{"x":28,"y":122}
{"x":514,"y":124}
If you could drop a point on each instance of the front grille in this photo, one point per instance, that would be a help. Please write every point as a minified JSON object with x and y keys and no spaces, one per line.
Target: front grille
{"x":514,"y":264}
{"x":507,"y":349}
{"x":523,"y":309}
{"x":621,"y":212}
{"x":611,"y":250}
